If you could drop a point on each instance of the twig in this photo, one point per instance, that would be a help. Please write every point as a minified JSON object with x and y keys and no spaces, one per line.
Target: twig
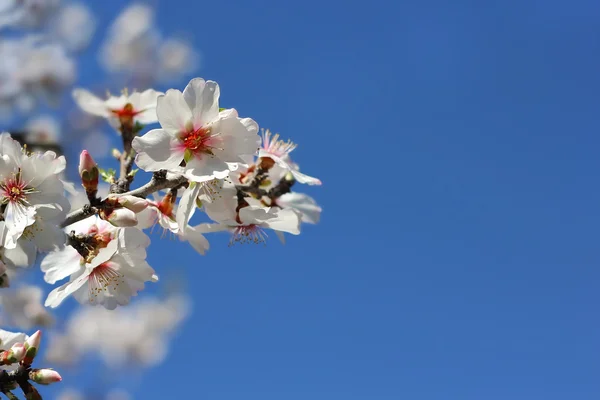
{"x":158,"y":182}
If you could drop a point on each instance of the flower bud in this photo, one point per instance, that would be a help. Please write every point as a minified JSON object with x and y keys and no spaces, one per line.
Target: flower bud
{"x":32,"y":345}
{"x":133,"y":203}
{"x":116,"y":153}
{"x":122,"y":217}
{"x":44,"y":376}
{"x":88,"y":171}
{"x":16,"y":353}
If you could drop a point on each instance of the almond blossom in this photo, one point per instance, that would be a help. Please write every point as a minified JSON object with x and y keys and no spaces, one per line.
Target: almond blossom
{"x":32,"y":191}
{"x":279,"y":151}
{"x":125,"y":110}
{"x":163,"y":212}
{"x":196,"y":139}
{"x":109,"y":268}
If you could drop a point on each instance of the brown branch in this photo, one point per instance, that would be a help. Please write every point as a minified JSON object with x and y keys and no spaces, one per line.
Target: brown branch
{"x":158,"y":182}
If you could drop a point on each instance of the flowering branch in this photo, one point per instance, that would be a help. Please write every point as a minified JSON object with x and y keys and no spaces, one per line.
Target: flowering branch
{"x":22,"y":353}
{"x":158,"y":182}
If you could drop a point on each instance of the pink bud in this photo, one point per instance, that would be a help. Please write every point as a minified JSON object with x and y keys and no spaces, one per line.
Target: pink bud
{"x":122,"y":217}
{"x":44,"y":376}
{"x":88,"y":171}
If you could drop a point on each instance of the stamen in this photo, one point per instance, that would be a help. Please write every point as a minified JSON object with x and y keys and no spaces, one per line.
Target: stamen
{"x":248,"y":234}
{"x":277,"y":147}
{"x":103,"y":279}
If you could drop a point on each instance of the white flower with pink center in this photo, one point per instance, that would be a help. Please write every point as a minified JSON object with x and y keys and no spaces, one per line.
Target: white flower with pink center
{"x":30,"y":189}
{"x":247,"y":224}
{"x":196,"y":139}
{"x":279,"y":151}
{"x":113,"y":269}
{"x":127,"y":109}
{"x":165,"y":213}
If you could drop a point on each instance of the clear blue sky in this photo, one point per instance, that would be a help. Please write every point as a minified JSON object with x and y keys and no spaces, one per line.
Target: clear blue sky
{"x":457,"y":257}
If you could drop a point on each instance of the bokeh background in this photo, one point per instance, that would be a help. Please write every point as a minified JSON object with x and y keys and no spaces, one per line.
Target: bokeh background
{"x":457,"y":255}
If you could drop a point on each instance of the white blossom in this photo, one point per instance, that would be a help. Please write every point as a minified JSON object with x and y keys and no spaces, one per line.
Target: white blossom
{"x":113,"y":270}
{"x":211,"y":142}
{"x":137,"y":107}
{"x":22,"y":307}
{"x":33,"y":193}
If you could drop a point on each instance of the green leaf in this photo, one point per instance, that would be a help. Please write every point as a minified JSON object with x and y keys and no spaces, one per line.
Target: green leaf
{"x":222,"y":109}
{"x":108,"y":175}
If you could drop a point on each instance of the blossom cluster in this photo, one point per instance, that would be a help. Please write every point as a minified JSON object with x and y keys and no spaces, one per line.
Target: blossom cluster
{"x":203,"y":159}
{"x":138,"y":335}
{"x":16,"y":361}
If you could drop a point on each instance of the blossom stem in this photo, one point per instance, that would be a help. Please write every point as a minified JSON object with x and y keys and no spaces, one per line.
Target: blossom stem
{"x":158,"y":182}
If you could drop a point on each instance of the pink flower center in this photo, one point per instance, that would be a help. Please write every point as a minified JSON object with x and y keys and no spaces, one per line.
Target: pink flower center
{"x":197,"y":141}
{"x":248,"y":234}
{"x":15,"y":190}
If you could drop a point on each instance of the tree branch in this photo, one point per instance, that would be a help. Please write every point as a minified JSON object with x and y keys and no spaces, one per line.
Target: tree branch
{"x":158,"y":182}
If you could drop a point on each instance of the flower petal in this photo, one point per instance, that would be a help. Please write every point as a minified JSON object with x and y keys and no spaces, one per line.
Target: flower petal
{"x":156,"y":150}
{"x":90,"y":103}
{"x":173,"y":112}
{"x":202,"y":98}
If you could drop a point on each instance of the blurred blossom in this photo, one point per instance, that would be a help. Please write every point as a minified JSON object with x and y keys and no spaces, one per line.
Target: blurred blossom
{"x":114,"y":394}
{"x":177,"y":58}
{"x":98,"y":143}
{"x":133,"y":22}
{"x":43,"y":129}
{"x":136,"y":48}
{"x":70,"y":394}
{"x":27,"y":13}
{"x":75,"y":17}
{"x":136,"y":335}
{"x":31,"y":69}
{"x":22,"y":307}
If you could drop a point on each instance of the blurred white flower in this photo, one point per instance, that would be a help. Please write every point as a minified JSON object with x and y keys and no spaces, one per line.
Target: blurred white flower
{"x":31,"y":70}
{"x":74,"y":17}
{"x":70,"y":394}
{"x":27,"y":13}
{"x":22,"y":307}
{"x":136,"y":335}
{"x":177,"y":58}
{"x":42,"y":129}
{"x":135,"y":47}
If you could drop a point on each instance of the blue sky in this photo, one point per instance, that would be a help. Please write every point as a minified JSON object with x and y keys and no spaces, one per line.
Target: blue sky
{"x":457,"y":256}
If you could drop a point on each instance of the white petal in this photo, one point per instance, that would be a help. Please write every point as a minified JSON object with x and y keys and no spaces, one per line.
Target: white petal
{"x":298,"y":176}
{"x":173,"y":111}
{"x":196,"y":239}
{"x":23,"y":255}
{"x":156,"y":150}
{"x":146,"y":103}
{"x":308,"y":207}
{"x":60,"y":293}
{"x":210,"y":228}
{"x":203,"y":99}
{"x":90,"y":103}
{"x":17,"y":218}
{"x":60,"y":264}
{"x":206,"y":168}
{"x":187,"y":205}
{"x":287,"y":221}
